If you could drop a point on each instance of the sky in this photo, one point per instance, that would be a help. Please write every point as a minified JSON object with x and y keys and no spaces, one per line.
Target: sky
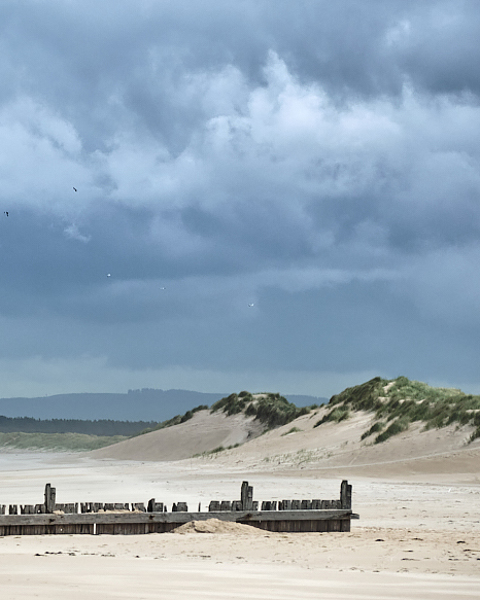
{"x":270,"y":195}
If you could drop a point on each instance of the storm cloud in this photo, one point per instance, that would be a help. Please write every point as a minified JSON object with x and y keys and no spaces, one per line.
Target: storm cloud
{"x":318,"y":160}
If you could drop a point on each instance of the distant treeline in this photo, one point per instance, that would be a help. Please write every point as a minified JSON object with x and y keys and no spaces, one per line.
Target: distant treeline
{"x":100,"y":427}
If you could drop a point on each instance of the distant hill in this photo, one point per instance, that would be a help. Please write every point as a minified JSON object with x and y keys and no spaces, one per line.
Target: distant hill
{"x":136,"y":405}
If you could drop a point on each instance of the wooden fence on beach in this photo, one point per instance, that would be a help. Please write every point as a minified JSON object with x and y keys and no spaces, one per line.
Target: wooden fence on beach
{"x":97,"y":518}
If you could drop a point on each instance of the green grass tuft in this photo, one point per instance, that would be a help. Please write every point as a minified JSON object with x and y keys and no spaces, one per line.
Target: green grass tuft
{"x":339,"y":413}
{"x":231,"y":405}
{"x":292,"y":430}
{"x":396,"y":427}
{"x":361,"y":397}
{"x":273,"y":410}
{"x":378,"y":426}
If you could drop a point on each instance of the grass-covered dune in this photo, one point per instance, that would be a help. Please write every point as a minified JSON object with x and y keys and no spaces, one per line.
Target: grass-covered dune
{"x":272,"y":410}
{"x":398,"y":402}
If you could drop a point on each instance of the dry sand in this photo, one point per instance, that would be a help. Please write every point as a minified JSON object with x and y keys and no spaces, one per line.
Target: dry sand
{"x":204,"y":432}
{"x":418,"y":496}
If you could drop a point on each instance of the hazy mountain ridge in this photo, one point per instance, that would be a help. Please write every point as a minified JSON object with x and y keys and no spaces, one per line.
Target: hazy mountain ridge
{"x":136,"y":405}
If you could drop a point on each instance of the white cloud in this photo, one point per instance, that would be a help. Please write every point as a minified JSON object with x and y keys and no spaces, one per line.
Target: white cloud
{"x":40,"y":159}
{"x":285,"y":141}
{"x":72,"y":232}
{"x":399,"y":34}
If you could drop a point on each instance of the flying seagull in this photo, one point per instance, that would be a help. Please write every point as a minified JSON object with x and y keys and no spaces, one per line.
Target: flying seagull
{"x":251,"y":305}
{"x":5,"y":212}
{"x":108,"y":275}
{"x":75,"y":189}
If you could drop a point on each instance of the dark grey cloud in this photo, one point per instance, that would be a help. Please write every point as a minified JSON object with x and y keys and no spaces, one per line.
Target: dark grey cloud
{"x":318,"y":160}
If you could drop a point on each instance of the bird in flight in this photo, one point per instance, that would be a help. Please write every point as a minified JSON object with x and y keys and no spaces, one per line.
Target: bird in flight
{"x":75,"y":189}
{"x":251,"y":305}
{"x":108,"y":275}
{"x":5,"y":212}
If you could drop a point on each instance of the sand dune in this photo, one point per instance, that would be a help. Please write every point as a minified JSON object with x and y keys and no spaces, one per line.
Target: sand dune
{"x":301,"y":445}
{"x":203,"y":433}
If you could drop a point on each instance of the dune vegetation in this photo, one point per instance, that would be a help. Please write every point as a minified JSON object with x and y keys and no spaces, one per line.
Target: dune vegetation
{"x":398,"y":402}
{"x":272,"y":410}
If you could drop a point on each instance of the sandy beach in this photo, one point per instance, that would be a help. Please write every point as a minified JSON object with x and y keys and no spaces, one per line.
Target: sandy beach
{"x":418,"y":536}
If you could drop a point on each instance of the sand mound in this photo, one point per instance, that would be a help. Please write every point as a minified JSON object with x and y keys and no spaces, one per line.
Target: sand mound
{"x":203,"y":433}
{"x":217,"y":526}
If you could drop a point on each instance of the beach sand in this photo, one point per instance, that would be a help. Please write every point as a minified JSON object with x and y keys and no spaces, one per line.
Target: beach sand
{"x":418,"y":535}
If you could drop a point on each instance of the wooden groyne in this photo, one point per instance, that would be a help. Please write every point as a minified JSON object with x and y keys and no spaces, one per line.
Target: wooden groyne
{"x":135,"y":518}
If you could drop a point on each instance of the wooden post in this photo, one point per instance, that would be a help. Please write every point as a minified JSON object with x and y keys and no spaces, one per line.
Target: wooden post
{"x":250,"y":497}
{"x":50,"y":496}
{"x":244,"y":495}
{"x":345,"y":494}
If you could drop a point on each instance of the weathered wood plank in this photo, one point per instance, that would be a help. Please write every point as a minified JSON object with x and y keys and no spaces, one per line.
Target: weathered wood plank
{"x":50,"y":496}
{"x":177,"y":517}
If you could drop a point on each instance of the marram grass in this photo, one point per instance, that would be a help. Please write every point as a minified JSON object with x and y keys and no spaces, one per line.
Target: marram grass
{"x":398,"y":402}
